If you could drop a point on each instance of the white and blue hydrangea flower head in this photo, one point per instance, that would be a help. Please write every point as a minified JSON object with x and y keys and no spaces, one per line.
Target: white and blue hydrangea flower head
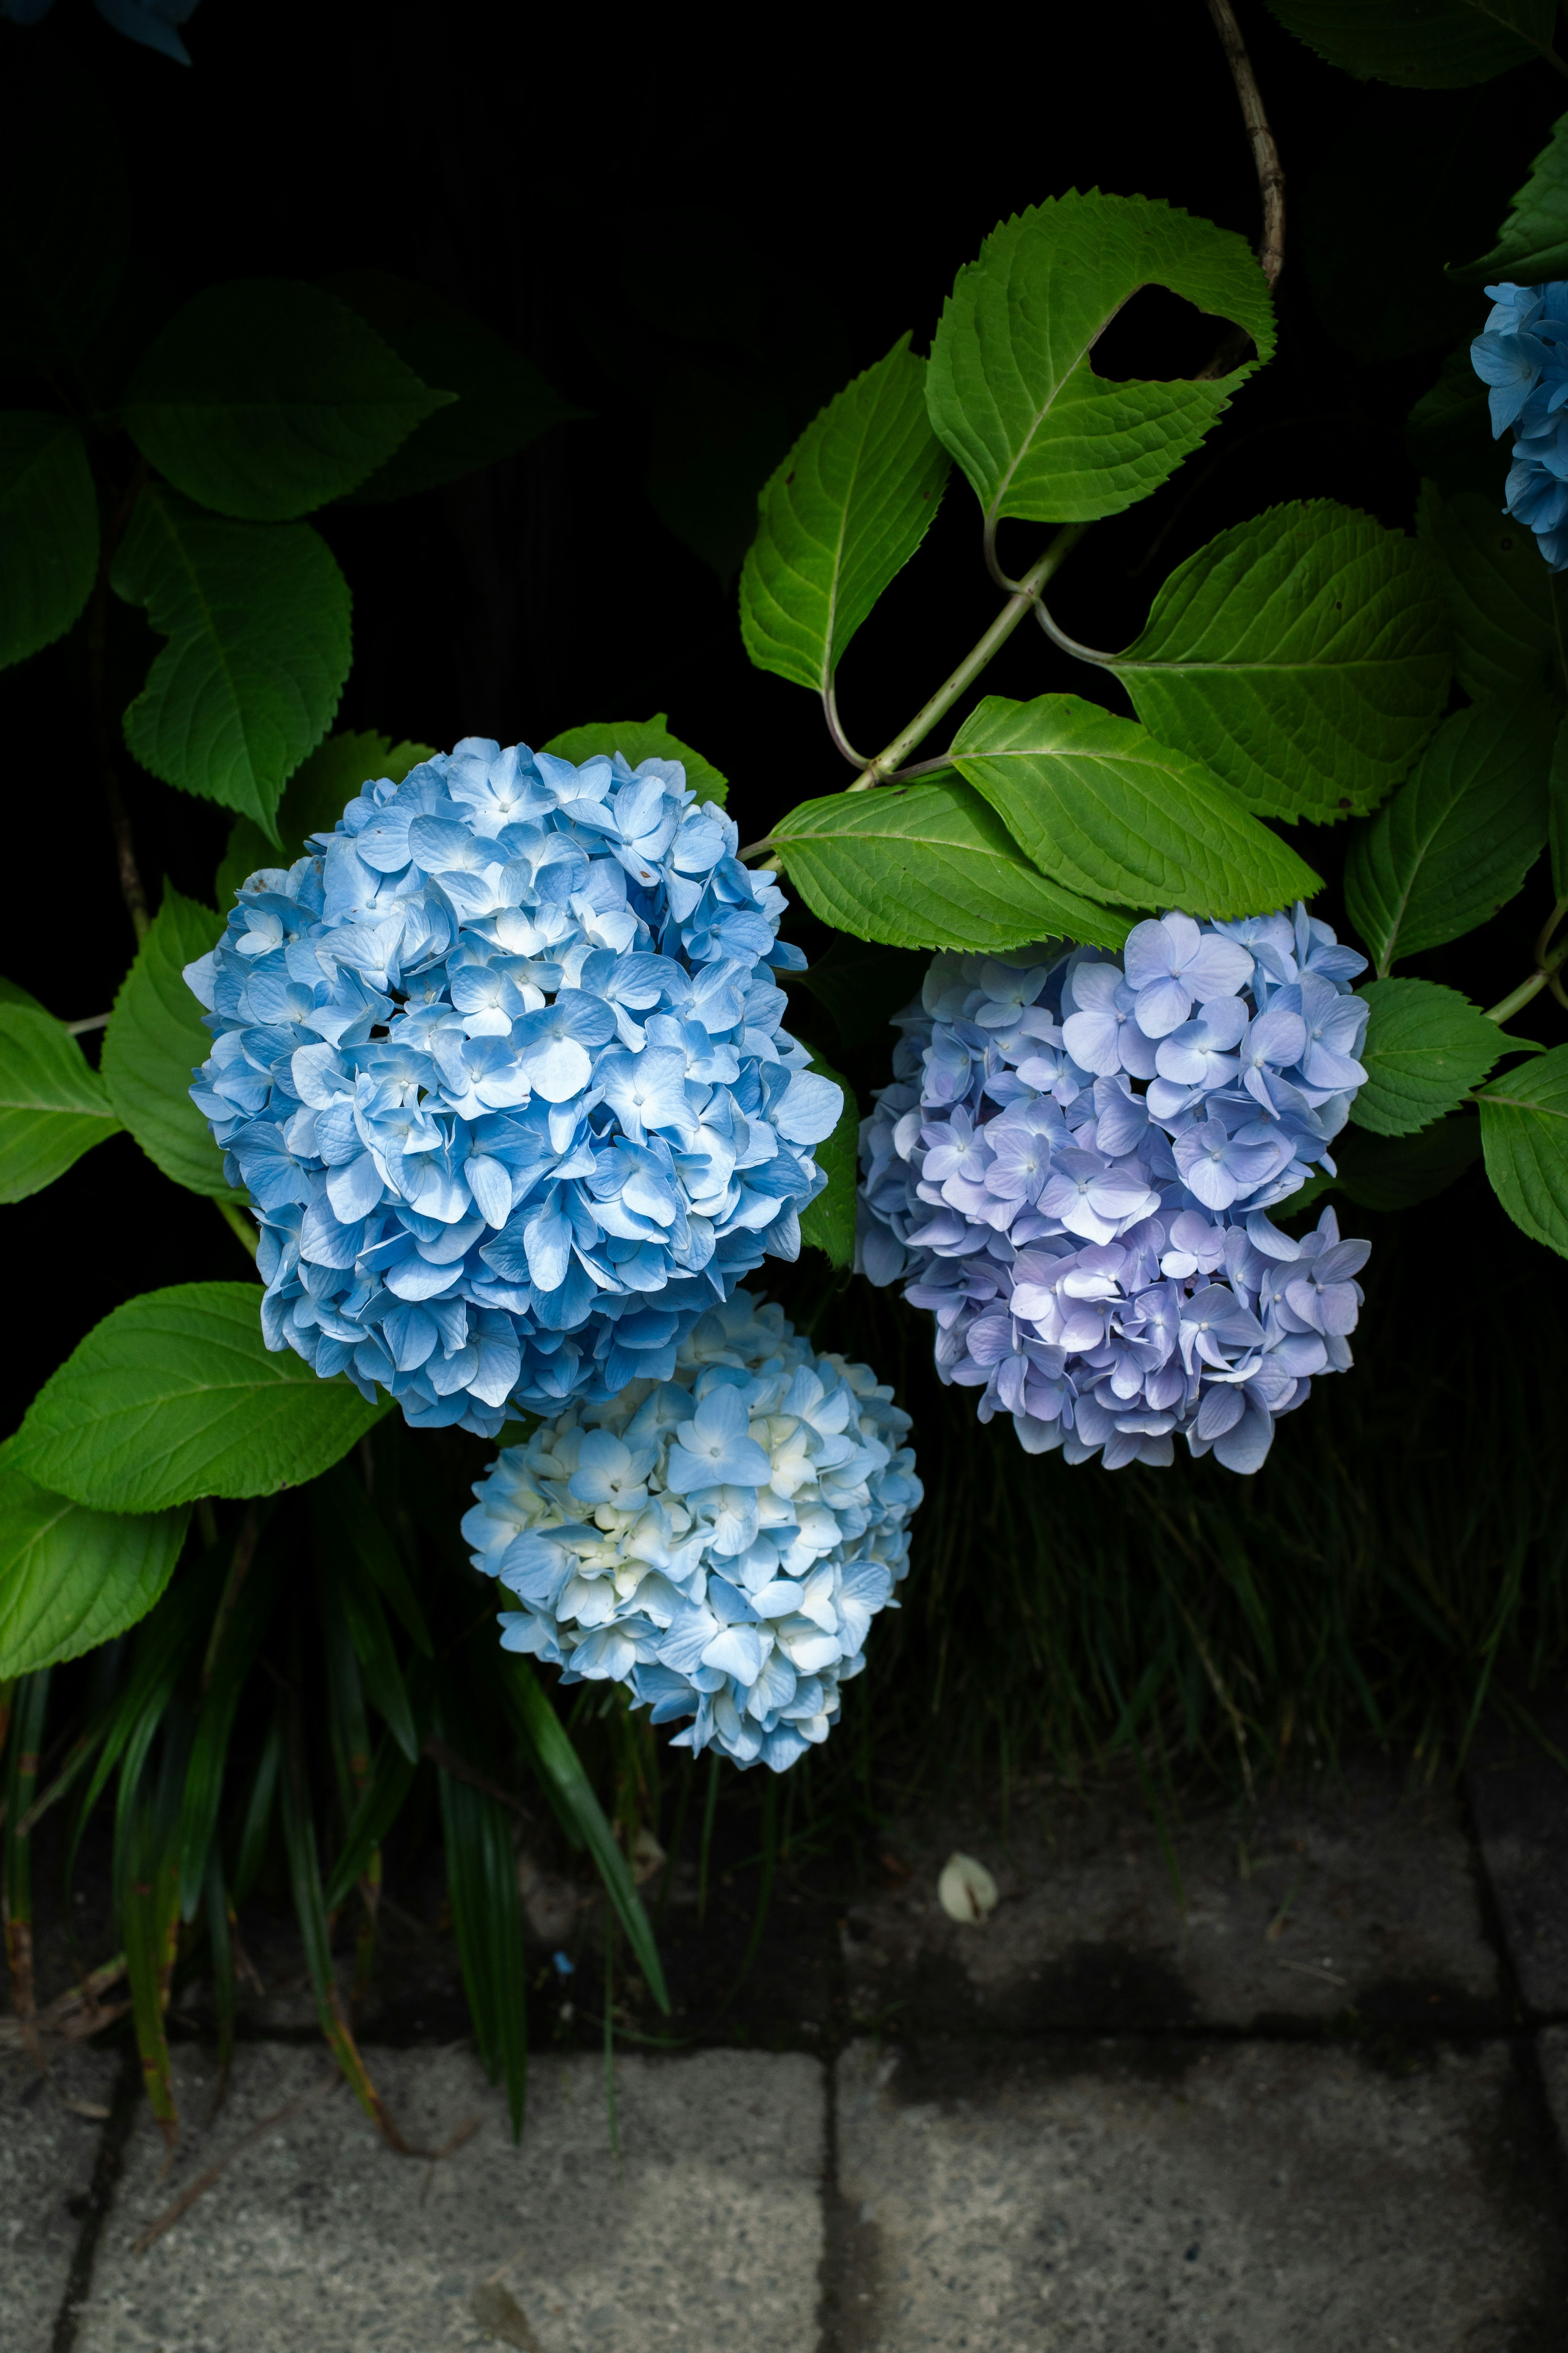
{"x":1073,"y":1168}
{"x":500,"y":1065}
{"x":718,"y":1543}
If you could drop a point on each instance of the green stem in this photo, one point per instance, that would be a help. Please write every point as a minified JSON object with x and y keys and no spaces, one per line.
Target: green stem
{"x":245,"y":1234}
{"x":1547,"y":967}
{"x":1517,"y":999}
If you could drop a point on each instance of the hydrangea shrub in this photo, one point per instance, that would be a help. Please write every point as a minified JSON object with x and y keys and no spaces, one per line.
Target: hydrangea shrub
{"x":500,"y":1063}
{"x":1072,"y":1171}
{"x":719,"y":1542}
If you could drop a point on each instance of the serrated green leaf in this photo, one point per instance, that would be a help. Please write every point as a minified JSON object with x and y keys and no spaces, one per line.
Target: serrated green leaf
{"x":503,"y":402}
{"x":13,"y":993}
{"x":928,"y":866}
{"x":828,"y":1222}
{"x":1100,"y":805}
{"x":1302,"y":656}
{"x":1532,"y":244}
{"x":1524,"y":1133}
{"x":256,"y":616}
{"x":1395,"y":1172}
{"x":1422,"y":44}
{"x":1457,"y":842}
{"x":1426,"y":1048}
{"x":313,"y":800}
{"x":841,"y":516}
{"x":1499,"y":592}
{"x":266,"y":397}
{"x":154,"y":1042}
{"x":174,"y":1396}
{"x":638,"y":740}
{"x":53,"y":1104}
{"x":1011,"y":388}
{"x":49,"y":531}
{"x":71,"y":1579}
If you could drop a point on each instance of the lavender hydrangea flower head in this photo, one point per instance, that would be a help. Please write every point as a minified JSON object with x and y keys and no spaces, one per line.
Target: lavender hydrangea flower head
{"x":1523,"y":358}
{"x":1073,"y":1168}
{"x":718,"y":1543}
{"x":500,"y":1065}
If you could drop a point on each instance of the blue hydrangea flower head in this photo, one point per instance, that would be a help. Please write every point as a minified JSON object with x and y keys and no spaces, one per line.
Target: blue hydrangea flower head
{"x":1073,"y":1167}
{"x":499,"y":1062}
{"x":719,"y":1542}
{"x":1521,"y":356}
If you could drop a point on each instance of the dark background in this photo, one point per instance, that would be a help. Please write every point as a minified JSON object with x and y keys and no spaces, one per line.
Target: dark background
{"x":698,"y":236}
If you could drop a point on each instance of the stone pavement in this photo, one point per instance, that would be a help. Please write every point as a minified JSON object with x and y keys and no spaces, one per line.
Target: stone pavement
{"x":1291,"y":2080}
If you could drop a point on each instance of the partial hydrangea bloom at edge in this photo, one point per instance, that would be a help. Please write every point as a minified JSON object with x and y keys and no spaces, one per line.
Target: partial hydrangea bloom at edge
{"x":500,"y":1064}
{"x":1072,"y":1171}
{"x":718,"y":1543}
{"x":1523,"y":358}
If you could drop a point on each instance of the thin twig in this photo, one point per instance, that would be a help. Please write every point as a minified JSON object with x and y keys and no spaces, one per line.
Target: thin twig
{"x":1265,"y":151}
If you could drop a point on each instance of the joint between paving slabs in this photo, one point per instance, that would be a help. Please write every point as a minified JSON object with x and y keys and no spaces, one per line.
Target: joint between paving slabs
{"x":108,"y":2168}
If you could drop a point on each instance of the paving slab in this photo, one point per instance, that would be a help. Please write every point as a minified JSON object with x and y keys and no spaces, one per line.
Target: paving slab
{"x":704,"y":2234}
{"x":1519,"y":1797}
{"x":47,"y":2152}
{"x":1168,"y":2196}
{"x":1363,"y":1899}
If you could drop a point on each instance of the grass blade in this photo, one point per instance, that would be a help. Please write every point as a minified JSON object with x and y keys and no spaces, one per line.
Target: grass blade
{"x":258,"y":1809}
{"x":147,"y":1877}
{"x":348,"y":1583}
{"x":349,"y":1526}
{"x":487,"y":1913}
{"x":220,"y":1946}
{"x":243,"y":1619}
{"x":391,"y":1779}
{"x":31,"y":1699}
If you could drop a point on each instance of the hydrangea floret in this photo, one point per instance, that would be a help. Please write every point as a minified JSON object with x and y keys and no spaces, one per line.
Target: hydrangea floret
{"x":500,"y":1065}
{"x":1523,"y":358}
{"x":1073,"y":1167}
{"x":718,"y":1543}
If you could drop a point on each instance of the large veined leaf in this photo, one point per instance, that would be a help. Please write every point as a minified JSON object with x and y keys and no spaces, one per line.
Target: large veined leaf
{"x":1422,"y":44}
{"x":828,"y":1222}
{"x":1303,"y":656}
{"x":71,"y":1579}
{"x":1102,"y":808}
{"x":1532,"y":244}
{"x":637,"y":740}
{"x":313,"y":800}
{"x":928,"y":866}
{"x":266,"y":397}
{"x":1524,"y":1133}
{"x":155,"y":1040}
{"x":49,"y":531}
{"x":1426,"y":1048}
{"x":1500,"y":597}
{"x":174,"y":1396}
{"x":1011,"y":385}
{"x":256,"y":616}
{"x":844,"y":512}
{"x":53,"y":1104}
{"x":1458,"y":839}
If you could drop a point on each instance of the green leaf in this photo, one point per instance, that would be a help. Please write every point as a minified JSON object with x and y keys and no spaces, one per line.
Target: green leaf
{"x":1102,"y":808}
{"x":1302,"y":656}
{"x":504,"y":402}
{"x":1524,"y":1133}
{"x":349,"y":1522}
{"x":256,"y":616}
{"x":154,"y":1042}
{"x":840,"y":518}
{"x":1426,"y":1048}
{"x":368,"y":1629}
{"x":486,"y":1915}
{"x":53,"y":1104}
{"x":313,"y":800}
{"x":174,"y":1396}
{"x":637,"y":740}
{"x":1499,"y":591}
{"x":1011,"y":389}
{"x":1448,"y":434}
{"x":49,"y":531}
{"x":266,"y":397}
{"x":1454,"y":843}
{"x":1532,"y":244}
{"x":71,"y":1579}
{"x":928,"y":866}
{"x":13,"y":993}
{"x":1422,"y":44}
{"x":862,"y":986}
{"x":828,"y":1222}
{"x":1395,"y":1172}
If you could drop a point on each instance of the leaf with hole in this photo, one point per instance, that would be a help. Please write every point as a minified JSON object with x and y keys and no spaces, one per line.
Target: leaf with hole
{"x":1524,"y":1133}
{"x":315,"y":799}
{"x":49,"y":531}
{"x":828,"y":1223}
{"x":929,"y":866}
{"x":1422,"y":44}
{"x":71,"y":1579}
{"x":1500,"y":594}
{"x":257,"y":616}
{"x":155,"y":1040}
{"x":1532,"y":244}
{"x":1012,"y":389}
{"x":1303,"y":656}
{"x":1426,"y":1048}
{"x":174,"y":1396}
{"x":1101,"y":807}
{"x":53,"y":1104}
{"x":638,"y":740}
